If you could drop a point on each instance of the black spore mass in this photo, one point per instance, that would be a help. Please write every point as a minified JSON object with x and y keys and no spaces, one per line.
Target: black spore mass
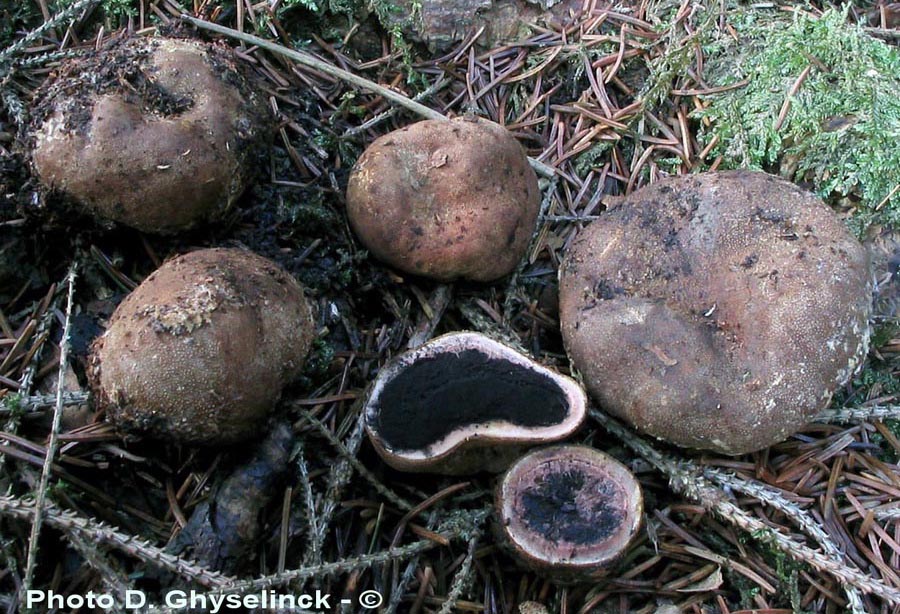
{"x":552,"y":508}
{"x":433,"y":396}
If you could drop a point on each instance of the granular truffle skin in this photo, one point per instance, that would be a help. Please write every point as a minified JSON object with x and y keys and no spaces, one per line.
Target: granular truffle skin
{"x":200,"y":351}
{"x":444,"y":199}
{"x":157,"y":134}
{"x":717,"y":311}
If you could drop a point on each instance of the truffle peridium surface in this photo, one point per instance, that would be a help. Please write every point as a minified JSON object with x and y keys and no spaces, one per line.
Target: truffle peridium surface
{"x":463,"y":403}
{"x":568,"y":511}
{"x":199,"y":352}
{"x":717,"y":311}
{"x":159,"y":134}
{"x":446,"y":199}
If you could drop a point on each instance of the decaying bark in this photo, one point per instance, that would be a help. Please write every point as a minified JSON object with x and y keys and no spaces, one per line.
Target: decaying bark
{"x":223,"y":530}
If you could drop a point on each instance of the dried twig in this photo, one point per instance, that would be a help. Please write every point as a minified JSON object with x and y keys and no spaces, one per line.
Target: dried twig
{"x":348,"y":456}
{"x":890,"y":514}
{"x":314,"y":62}
{"x":42,"y":402}
{"x":772,"y":497}
{"x":435,"y":87}
{"x":884,"y":33}
{"x":408,"y":574}
{"x":788,"y":99}
{"x":66,"y":13}
{"x":22,"y":509}
{"x":428,"y":322}
{"x":41,"y":495}
{"x":462,"y":579}
{"x":330,"y":569}
{"x":687,"y":479}
{"x":310,"y":505}
{"x":112,"y":579}
{"x":859,"y":414}
{"x":41,"y":334}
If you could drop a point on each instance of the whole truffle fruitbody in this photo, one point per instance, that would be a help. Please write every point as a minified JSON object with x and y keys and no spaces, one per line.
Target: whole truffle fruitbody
{"x":157,"y":134}
{"x":717,"y":311}
{"x":445,"y":199}
{"x":200,"y":351}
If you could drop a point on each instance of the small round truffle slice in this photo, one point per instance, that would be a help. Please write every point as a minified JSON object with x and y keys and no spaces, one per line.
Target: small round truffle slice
{"x":463,"y":403}
{"x":567,"y":511}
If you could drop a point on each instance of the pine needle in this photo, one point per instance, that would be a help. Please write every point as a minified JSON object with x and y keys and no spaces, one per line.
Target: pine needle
{"x":687,"y":479}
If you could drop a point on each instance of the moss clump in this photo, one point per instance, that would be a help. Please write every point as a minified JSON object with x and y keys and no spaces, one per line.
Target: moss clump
{"x":844,"y":122}
{"x":117,"y":10}
{"x":13,"y":404}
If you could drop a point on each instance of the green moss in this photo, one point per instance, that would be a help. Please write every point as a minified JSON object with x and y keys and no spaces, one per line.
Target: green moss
{"x":346,"y":8}
{"x":787,"y":570}
{"x":872,"y":376}
{"x":886,"y":452}
{"x":13,"y":404}
{"x":394,"y":19}
{"x":349,"y":106}
{"x":319,"y":360}
{"x":115,"y":10}
{"x":310,"y":211}
{"x":787,"y":574}
{"x":885,"y":332}
{"x":592,"y":157}
{"x":310,"y":5}
{"x":842,"y":128}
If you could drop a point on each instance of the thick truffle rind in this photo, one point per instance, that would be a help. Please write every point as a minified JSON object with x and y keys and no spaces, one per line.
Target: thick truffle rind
{"x":717,"y":311}
{"x":464,"y":403}
{"x":200,"y":351}
{"x":443,"y":199}
{"x":154,"y":133}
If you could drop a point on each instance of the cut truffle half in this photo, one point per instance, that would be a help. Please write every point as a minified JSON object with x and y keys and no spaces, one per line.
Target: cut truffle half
{"x":568,"y":511}
{"x":464,"y":402}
